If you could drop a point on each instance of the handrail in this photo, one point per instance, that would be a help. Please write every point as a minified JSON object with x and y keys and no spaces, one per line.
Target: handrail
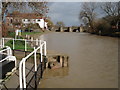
{"x":41,"y":45}
{"x":4,"y":59}
{"x":9,"y":57}
{"x":22,"y":76}
{"x":8,"y":49}
{"x":13,"y":46}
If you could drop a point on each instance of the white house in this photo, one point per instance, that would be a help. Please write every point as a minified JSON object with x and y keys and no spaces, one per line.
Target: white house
{"x":26,"y":18}
{"x":41,"y":22}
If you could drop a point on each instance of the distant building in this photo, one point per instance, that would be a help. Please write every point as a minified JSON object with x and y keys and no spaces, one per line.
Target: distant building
{"x":16,"y":19}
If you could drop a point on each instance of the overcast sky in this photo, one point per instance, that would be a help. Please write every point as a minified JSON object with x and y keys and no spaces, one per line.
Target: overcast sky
{"x":67,"y":12}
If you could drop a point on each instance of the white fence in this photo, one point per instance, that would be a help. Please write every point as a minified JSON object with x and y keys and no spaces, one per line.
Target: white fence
{"x":41,"y":48}
{"x":22,"y":74}
{"x":3,"y":40}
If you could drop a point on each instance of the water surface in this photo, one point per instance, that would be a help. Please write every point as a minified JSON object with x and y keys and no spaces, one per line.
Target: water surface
{"x":93,"y":61}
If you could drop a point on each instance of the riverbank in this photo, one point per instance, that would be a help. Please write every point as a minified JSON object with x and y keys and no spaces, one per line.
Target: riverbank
{"x":36,"y":35}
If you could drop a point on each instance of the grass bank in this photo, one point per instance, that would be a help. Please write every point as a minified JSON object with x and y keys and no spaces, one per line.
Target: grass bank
{"x":19,"y":45}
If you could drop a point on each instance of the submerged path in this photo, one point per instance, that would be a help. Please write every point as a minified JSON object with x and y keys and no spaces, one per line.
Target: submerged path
{"x":93,"y":61}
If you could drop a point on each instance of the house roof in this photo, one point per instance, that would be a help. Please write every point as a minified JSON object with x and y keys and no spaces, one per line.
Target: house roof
{"x":25,"y":15}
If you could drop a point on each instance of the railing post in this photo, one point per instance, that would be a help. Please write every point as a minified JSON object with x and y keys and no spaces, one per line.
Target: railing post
{"x":24,"y":76}
{"x":35,"y":57}
{"x":25,"y":45}
{"x":20,"y":75}
{"x":8,"y":51}
{"x":37,"y":42}
{"x":3,"y":42}
{"x":13,"y":44}
{"x":45,"y":48}
{"x":41,"y":53}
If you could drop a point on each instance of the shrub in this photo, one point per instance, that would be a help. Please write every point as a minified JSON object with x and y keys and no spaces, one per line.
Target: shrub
{"x":11,"y":34}
{"x":103,"y":27}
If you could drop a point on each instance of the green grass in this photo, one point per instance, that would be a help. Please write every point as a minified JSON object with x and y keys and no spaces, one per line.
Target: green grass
{"x":30,"y":33}
{"x":12,"y":34}
{"x":19,"y":45}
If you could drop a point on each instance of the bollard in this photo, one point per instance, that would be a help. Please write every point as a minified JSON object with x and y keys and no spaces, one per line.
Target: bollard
{"x":13,"y":52}
{"x":25,"y":53}
{"x":25,"y":45}
{"x":62,"y":61}
{"x":37,"y":42}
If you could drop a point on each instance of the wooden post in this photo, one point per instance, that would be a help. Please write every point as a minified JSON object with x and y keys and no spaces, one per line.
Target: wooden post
{"x":62,"y":61}
{"x":31,"y":41}
{"x":25,"y":53}
{"x":67,"y":60}
{"x":13,"y":52}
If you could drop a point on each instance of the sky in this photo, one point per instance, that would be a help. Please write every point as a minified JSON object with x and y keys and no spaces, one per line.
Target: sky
{"x":67,"y":12}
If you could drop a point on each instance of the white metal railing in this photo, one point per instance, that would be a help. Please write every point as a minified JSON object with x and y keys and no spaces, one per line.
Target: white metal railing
{"x":9,"y":56}
{"x":37,"y":42}
{"x":8,"y":51}
{"x":41,"y":48}
{"x":22,"y":74}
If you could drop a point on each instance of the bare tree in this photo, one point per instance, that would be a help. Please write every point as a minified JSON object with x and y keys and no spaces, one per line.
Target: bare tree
{"x":87,"y":13}
{"x":39,"y":8}
{"x":111,"y":8}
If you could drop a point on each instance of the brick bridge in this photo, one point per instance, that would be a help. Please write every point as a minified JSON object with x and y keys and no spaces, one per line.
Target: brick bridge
{"x":69,"y":29}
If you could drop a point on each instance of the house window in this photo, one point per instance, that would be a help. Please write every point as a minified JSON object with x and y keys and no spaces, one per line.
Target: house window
{"x":38,"y":20}
{"x":29,"y":20}
{"x":11,"y":20}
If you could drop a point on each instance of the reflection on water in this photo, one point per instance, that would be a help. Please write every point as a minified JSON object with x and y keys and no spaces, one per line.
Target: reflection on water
{"x":93,"y":61}
{"x":61,"y":72}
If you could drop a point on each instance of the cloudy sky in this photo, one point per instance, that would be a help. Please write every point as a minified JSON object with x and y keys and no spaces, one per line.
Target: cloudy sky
{"x":67,"y":12}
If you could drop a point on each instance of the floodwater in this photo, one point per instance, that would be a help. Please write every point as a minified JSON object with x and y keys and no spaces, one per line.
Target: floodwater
{"x":93,"y":61}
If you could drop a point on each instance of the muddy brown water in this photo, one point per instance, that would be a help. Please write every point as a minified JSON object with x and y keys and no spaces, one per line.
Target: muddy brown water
{"x":93,"y":61}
